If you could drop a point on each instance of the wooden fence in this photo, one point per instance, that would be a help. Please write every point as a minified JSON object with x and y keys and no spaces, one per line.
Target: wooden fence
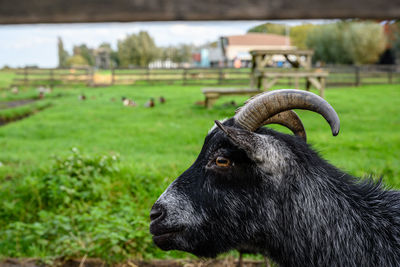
{"x":347,"y":75}
{"x":184,"y":76}
{"x":338,"y":76}
{"x":52,"y":77}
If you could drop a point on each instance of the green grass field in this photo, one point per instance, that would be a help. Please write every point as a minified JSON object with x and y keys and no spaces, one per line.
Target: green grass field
{"x":6,"y":77}
{"x":79,"y":178}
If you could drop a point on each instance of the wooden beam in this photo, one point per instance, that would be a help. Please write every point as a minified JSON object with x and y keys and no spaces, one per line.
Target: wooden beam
{"x":65,"y":11}
{"x":295,"y":52}
{"x":268,"y":84}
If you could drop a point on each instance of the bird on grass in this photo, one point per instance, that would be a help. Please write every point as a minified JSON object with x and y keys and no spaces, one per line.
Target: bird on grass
{"x":15,"y":90}
{"x":150,"y":103}
{"x":128,"y":102}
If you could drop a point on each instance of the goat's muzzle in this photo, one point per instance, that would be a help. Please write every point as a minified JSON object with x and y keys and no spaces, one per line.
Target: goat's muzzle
{"x":162,"y":235}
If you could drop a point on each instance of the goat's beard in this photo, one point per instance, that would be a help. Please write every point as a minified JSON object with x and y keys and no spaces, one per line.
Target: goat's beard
{"x":203,"y":243}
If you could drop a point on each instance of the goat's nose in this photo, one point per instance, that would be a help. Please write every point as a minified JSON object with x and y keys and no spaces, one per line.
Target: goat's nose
{"x":156,"y":212}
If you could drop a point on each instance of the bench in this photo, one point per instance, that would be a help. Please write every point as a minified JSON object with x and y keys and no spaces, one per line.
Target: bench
{"x":212,"y":94}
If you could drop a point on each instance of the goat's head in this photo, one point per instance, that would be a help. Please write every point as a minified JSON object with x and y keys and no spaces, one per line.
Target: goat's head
{"x":231,"y":196}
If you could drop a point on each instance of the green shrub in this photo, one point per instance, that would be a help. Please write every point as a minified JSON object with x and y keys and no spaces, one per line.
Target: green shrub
{"x":73,"y":209}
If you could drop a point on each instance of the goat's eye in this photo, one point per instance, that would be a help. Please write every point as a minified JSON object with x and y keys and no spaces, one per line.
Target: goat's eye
{"x":222,"y":162}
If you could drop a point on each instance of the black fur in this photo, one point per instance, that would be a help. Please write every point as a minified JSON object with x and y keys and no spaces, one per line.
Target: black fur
{"x":307,"y":213}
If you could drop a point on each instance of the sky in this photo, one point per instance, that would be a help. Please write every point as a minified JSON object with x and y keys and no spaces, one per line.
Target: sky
{"x":22,"y":45}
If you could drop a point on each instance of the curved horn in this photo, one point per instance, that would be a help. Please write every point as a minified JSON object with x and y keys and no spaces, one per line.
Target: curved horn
{"x":265,"y":105}
{"x":290,"y":120}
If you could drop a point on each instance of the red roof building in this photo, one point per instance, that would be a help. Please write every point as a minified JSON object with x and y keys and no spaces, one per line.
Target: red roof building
{"x":239,"y":46}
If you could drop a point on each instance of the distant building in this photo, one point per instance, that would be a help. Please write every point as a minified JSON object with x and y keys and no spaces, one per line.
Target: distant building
{"x":233,"y":51}
{"x":208,"y":56}
{"x":237,"y":47}
{"x":166,"y":64}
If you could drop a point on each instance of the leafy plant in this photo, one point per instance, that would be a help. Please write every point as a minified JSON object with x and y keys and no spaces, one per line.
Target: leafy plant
{"x":74,"y":212}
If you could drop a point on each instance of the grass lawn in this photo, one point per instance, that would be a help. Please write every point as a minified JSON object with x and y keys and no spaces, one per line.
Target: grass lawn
{"x":91,"y":202}
{"x":6,"y":77}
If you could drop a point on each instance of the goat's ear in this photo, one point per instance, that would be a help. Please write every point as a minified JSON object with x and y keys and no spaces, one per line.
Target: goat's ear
{"x":244,"y":139}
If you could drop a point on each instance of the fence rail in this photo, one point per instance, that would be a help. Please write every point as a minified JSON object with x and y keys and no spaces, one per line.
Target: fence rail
{"x":52,"y":77}
{"x":339,"y":75}
{"x":362,"y":75}
{"x":185,"y":76}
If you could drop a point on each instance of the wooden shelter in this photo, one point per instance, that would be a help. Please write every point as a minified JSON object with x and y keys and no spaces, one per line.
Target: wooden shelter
{"x":264,"y":78}
{"x":261,"y":58}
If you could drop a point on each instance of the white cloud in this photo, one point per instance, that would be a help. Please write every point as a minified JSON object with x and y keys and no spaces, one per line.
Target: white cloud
{"x":29,"y":42}
{"x":37,"y":44}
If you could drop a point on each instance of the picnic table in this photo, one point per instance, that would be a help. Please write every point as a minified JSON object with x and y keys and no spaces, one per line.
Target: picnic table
{"x":316,"y":78}
{"x":262,"y":77}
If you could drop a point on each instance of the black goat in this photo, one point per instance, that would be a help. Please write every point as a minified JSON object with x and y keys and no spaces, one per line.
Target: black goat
{"x":257,"y":189}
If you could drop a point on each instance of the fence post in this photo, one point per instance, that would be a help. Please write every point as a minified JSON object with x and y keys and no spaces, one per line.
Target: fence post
{"x":51,"y":79}
{"x":112,"y":75}
{"x":26,"y":75}
{"x":91,"y":71}
{"x":148,"y":75}
{"x":390,"y":74}
{"x":184,"y":76}
{"x":220,"y":76}
{"x":357,"y":74}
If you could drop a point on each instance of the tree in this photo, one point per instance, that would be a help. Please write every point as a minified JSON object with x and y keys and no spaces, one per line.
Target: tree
{"x":270,"y":28}
{"x":86,"y":53}
{"x":298,"y":35}
{"x":347,"y":42}
{"x":77,"y":61}
{"x":185,"y":53}
{"x":365,"y":42}
{"x":178,"y":54}
{"x":167,"y":53}
{"x":327,"y":42}
{"x":395,"y":41}
{"x":105,"y":45}
{"x":62,"y":54}
{"x":137,"y":49}
{"x":114,"y":58}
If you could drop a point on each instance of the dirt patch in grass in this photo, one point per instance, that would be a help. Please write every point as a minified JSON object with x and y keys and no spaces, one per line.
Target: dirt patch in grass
{"x":18,"y":116}
{"x":16,"y":103}
{"x":84,"y":262}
